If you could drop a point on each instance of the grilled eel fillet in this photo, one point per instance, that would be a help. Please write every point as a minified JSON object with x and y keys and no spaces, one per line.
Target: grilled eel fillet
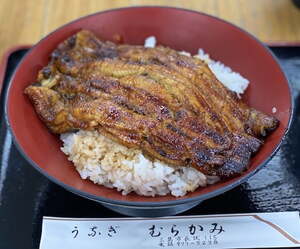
{"x":170,"y":106}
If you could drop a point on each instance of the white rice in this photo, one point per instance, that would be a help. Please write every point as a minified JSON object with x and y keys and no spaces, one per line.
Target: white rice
{"x":232,"y":80}
{"x":115,"y":166}
{"x":107,"y":163}
{"x":150,"y":42}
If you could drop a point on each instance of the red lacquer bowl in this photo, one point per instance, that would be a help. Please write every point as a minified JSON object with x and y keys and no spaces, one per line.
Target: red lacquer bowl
{"x":179,"y":29}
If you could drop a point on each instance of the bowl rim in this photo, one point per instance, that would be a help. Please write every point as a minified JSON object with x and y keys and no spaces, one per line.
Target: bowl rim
{"x":143,"y":204}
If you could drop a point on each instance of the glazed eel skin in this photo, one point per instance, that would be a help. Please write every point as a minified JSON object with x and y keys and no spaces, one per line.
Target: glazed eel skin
{"x":169,"y":105}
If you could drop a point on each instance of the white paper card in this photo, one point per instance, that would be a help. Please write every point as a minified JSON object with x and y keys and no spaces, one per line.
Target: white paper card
{"x":257,"y":230}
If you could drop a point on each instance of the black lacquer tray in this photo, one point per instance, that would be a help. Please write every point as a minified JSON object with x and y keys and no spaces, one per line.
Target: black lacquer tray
{"x":26,"y":196}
